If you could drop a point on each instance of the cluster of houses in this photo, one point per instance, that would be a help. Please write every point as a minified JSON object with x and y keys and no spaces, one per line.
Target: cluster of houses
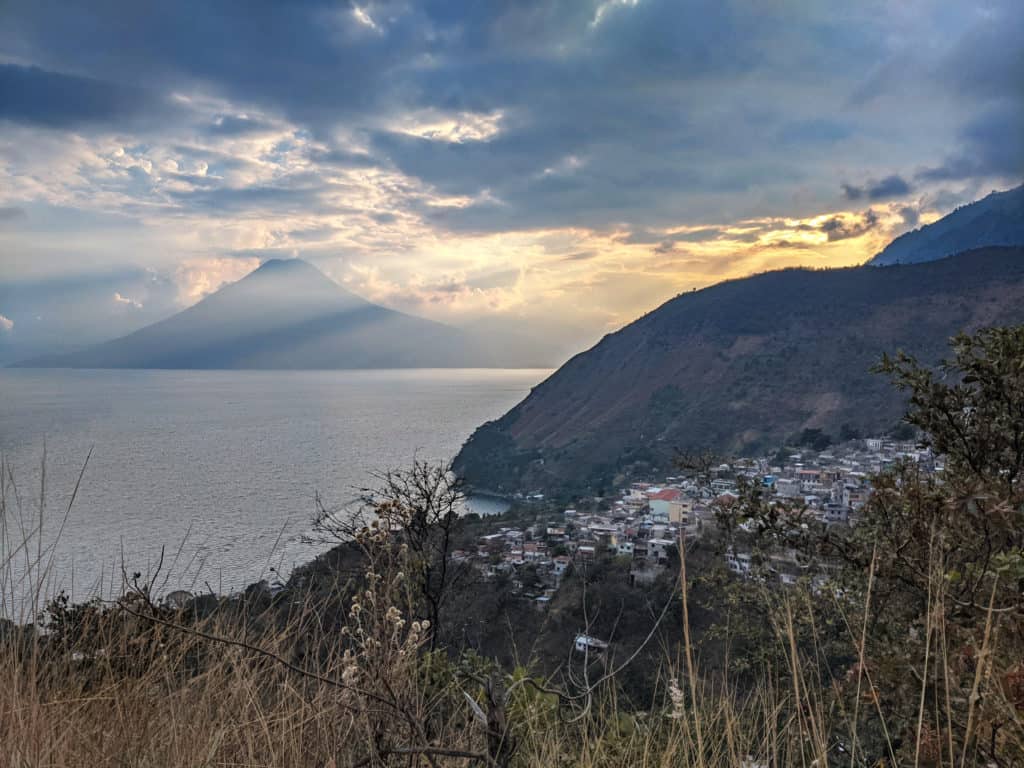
{"x":647,"y":521}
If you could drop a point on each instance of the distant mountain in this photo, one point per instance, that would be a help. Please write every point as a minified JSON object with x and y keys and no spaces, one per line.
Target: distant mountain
{"x":739,"y":367}
{"x":286,"y":314}
{"x":994,"y":220}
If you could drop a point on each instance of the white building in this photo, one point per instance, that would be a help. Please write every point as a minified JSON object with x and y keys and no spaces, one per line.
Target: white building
{"x":589,"y":645}
{"x":738,"y":562}
{"x":657,"y":549}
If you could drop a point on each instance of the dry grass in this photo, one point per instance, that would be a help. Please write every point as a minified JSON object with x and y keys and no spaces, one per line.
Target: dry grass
{"x":134,"y":683}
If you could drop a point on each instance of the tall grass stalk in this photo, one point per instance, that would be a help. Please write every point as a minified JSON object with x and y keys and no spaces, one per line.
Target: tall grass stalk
{"x":344,"y":677}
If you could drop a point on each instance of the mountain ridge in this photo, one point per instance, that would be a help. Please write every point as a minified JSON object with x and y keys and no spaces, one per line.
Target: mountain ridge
{"x":995,"y":220}
{"x":285,"y":314}
{"x":740,"y":366}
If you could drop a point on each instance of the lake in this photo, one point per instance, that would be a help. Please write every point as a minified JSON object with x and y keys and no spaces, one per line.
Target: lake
{"x":220,"y":468}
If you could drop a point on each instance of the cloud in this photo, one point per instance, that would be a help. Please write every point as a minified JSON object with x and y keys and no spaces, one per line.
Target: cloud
{"x":987,"y":61}
{"x":500,"y":279}
{"x":688,"y":235}
{"x":473,"y":98}
{"x":844,"y":227}
{"x":992,"y":145}
{"x":881,"y":189}
{"x":11,"y":213}
{"x":453,"y":129}
{"x":6,"y":324}
{"x":580,"y":256}
{"x":911,"y":216}
{"x":814,"y":131}
{"x":118,"y":298}
{"x":238,"y":125}
{"x":342,"y":158}
{"x":198,"y":278}
{"x":55,"y":100}
{"x":487,"y":103}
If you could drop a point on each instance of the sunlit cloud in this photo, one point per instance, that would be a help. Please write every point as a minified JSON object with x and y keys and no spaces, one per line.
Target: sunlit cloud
{"x":566,"y":165}
{"x":603,"y":8}
{"x":198,"y":278}
{"x":127,"y":301}
{"x":6,"y":324}
{"x":452,"y":128}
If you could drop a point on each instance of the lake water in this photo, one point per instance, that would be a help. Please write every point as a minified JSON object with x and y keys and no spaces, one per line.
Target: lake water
{"x":220,"y":468}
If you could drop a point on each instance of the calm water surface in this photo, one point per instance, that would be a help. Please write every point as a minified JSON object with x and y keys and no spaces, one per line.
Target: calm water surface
{"x":220,"y":468}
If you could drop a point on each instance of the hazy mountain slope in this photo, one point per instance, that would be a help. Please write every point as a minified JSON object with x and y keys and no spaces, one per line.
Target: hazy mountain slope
{"x":286,"y":314}
{"x":741,"y":365}
{"x":994,"y":220}
{"x":61,"y":313}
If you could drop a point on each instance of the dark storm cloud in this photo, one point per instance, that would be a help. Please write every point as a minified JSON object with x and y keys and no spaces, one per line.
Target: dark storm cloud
{"x":36,"y":96}
{"x":987,"y":62}
{"x":292,"y":56}
{"x":910,"y":215}
{"x":992,"y":144}
{"x":647,"y":114}
{"x":882,"y":189}
{"x":622,"y":101}
{"x":235,"y":125}
{"x":611,"y":83}
{"x":986,"y":70}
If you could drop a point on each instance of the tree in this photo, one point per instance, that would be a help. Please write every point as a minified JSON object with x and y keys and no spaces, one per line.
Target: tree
{"x":931,"y":577}
{"x":971,"y":408}
{"x":849,"y":432}
{"x":421,"y":508}
{"x":814,"y":438}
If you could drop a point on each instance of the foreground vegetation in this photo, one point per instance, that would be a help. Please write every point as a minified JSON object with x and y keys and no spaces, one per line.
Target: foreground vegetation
{"x":903,"y":646}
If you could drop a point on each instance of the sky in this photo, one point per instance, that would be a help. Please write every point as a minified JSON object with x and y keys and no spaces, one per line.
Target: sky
{"x":554,"y":167}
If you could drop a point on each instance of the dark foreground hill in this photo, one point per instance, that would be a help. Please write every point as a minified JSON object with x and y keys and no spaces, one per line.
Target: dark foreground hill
{"x":997,"y":219}
{"x":739,"y":367}
{"x":286,"y":314}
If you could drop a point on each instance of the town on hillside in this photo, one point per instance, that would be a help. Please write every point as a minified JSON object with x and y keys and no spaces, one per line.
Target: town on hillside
{"x":646,"y":521}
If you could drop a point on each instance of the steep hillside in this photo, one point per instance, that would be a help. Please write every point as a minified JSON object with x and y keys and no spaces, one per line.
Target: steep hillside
{"x":994,"y":220}
{"x":739,"y":366}
{"x":286,"y":314}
